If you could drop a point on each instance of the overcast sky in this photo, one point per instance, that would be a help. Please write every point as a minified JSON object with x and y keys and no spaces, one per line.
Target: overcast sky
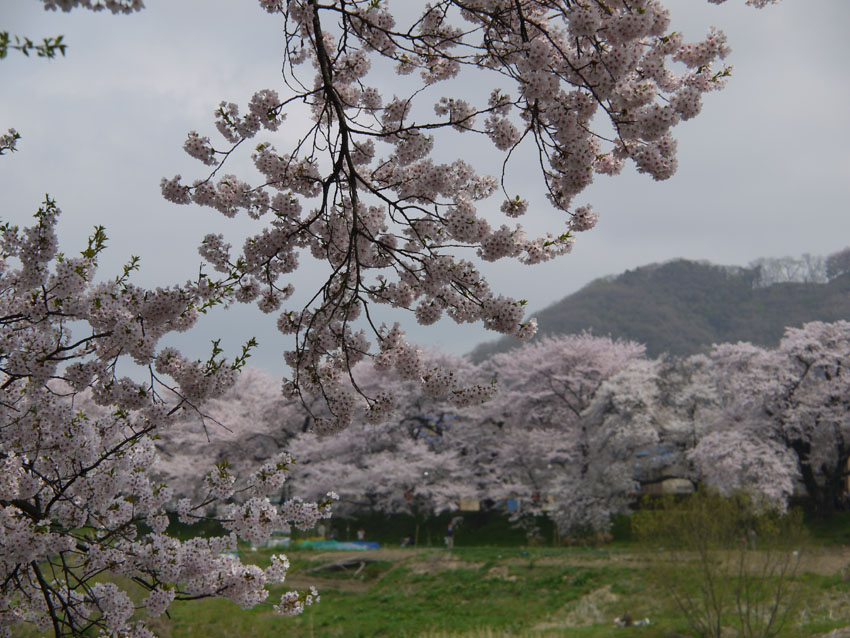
{"x":763,"y":171}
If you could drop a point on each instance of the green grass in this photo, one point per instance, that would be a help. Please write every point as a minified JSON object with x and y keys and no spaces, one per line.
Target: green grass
{"x":833,"y":531}
{"x":405,"y":603}
{"x":494,"y":592}
{"x":485,"y":593}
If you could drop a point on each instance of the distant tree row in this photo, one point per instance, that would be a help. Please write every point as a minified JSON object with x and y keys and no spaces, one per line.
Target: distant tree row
{"x":580,"y":426}
{"x":808,"y":269}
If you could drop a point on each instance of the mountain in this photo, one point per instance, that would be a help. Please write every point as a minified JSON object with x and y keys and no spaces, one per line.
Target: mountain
{"x":682,"y":307}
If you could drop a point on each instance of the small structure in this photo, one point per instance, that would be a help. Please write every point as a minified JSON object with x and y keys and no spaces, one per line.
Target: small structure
{"x":668,"y":486}
{"x":278,"y":539}
{"x":469,"y":505}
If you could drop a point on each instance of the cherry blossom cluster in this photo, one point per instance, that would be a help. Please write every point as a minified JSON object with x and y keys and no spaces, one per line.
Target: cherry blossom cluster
{"x":292,"y":603}
{"x":732,"y":460}
{"x":9,"y":141}
{"x":752,"y":3}
{"x":78,"y":449}
{"x":256,"y":519}
{"x":115,"y":6}
{"x":585,"y":87}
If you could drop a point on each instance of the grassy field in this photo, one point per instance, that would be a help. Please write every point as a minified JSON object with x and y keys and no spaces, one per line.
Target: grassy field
{"x":502,"y":592}
{"x":494,"y":593}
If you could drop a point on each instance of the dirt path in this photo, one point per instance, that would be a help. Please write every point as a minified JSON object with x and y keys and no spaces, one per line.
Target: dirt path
{"x":305,"y":581}
{"x":432,"y":560}
{"x":428,"y":561}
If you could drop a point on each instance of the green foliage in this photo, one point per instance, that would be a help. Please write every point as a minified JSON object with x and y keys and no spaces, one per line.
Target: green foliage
{"x":214,"y":363}
{"x":834,"y":530}
{"x":48,"y":48}
{"x":725,"y":560}
{"x":96,"y":244}
{"x":621,"y":528}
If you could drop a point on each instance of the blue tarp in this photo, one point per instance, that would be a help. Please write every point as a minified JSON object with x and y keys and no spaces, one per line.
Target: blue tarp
{"x":336,"y":545}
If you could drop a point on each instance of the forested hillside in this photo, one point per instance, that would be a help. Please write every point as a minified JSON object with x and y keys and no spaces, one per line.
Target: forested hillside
{"x":682,"y":307}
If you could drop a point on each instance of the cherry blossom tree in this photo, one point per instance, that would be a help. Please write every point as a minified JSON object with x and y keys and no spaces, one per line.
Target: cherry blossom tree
{"x":736,"y":444}
{"x":78,"y":448}
{"x":551,"y":381}
{"x":813,"y":406}
{"x":622,"y":419}
{"x":411,"y":464}
{"x":793,"y":400}
{"x":374,"y":469}
{"x":416,"y":479}
{"x":641,"y":425}
{"x":689,"y":398}
{"x":244,"y":427}
{"x":735,"y":459}
{"x":532,"y":437}
{"x":700,"y":418}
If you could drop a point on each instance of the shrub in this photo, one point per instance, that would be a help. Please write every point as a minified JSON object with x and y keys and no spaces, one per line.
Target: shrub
{"x":725,"y":560}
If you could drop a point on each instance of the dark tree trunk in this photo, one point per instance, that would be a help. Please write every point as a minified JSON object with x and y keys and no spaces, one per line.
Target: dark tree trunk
{"x":822,"y":497}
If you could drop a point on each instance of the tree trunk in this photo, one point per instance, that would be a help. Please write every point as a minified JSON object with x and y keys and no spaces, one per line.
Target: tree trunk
{"x":821,"y":498}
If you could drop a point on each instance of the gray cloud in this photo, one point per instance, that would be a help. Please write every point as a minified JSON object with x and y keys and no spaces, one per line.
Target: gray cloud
{"x":763,"y":170}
